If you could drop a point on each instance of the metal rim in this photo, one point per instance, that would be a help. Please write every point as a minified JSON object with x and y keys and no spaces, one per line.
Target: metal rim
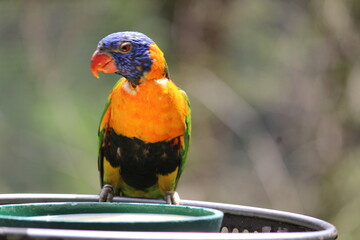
{"x":322,"y":229}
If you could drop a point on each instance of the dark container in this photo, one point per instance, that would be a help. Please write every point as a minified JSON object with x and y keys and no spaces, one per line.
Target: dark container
{"x":239,"y":222}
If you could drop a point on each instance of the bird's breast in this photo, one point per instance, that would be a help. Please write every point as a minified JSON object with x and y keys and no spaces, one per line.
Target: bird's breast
{"x":153,"y":111}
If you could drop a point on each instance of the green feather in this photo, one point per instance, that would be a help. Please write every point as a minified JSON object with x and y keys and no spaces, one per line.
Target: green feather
{"x":187,"y":137}
{"x":101,"y":136}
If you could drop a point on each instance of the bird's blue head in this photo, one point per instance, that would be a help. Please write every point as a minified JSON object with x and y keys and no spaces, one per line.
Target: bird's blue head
{"x":130,"y":54}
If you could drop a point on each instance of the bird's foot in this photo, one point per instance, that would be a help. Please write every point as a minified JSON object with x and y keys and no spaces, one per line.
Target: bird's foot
{"x":172,"y":198}
{"x":106,"y":193}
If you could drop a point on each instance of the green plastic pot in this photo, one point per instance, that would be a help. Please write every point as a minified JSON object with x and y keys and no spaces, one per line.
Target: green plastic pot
{"x":44,"y":215}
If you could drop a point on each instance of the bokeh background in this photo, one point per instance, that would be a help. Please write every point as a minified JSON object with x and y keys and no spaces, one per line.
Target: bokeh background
{"x":274,"y":86}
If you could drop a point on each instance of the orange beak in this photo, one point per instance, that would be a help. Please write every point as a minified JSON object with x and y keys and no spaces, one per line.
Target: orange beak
{"x":101,"y":62}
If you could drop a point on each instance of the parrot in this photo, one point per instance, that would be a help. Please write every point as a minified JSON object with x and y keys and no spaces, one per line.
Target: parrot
{"x":145,"y":130}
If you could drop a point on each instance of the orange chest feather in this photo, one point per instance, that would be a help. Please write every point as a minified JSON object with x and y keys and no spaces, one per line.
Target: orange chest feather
{"x":154,"y":111}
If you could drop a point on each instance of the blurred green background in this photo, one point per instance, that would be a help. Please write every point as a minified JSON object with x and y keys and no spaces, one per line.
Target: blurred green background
{"x":274,"y":87}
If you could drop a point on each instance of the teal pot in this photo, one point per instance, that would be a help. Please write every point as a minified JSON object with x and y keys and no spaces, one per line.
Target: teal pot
{"x":111,"y":216}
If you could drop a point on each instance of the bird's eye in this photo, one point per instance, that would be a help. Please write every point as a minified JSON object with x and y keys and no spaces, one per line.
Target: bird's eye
{"x":125,"y":47}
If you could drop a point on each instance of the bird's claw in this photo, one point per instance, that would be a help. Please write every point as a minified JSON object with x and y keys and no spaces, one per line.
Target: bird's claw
{"x":106,"y":193}
{"x":172,"y":198}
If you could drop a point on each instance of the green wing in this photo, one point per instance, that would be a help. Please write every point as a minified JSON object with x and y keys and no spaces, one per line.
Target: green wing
{"x":101,"y":136}
{"x":187,"y":137}
{"x":103,"y":129}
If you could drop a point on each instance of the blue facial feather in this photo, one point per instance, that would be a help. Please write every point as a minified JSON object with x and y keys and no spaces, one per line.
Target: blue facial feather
{"x":131,"y":65}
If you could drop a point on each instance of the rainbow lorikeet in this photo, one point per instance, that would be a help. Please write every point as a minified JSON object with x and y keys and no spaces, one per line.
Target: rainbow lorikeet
{"x":144,"y":132}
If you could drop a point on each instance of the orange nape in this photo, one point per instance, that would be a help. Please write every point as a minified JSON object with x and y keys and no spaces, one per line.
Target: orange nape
{"x":101,"y":62}
{"x":159,"y":64}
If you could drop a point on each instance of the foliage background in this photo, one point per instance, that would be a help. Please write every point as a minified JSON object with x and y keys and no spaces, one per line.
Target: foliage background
{"x":274,"y":87}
